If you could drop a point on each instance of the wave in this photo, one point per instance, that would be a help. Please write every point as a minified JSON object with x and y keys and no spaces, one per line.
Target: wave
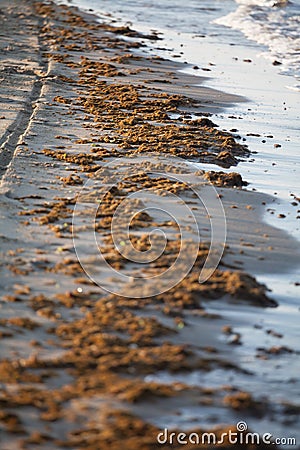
{"x":274,"y":24}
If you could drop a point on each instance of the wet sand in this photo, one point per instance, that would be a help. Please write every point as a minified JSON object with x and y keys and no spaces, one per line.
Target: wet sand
{"x":81,"y":368}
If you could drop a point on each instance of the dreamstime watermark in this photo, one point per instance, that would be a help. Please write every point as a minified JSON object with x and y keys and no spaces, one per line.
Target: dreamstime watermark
{"x":238,"y":437}
{"x":147,"y":194}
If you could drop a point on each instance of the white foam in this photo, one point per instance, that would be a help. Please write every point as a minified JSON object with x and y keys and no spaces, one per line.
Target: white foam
{"x":263,"y":2}
{"x":294,"y":88}
{"x":274,"y":24}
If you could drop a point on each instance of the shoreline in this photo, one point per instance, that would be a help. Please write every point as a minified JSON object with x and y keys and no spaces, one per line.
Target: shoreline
{"x":273,"y":110}
{"x":44,"y":283}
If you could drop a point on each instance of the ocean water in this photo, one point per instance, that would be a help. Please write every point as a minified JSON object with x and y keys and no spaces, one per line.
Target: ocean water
{"x":274,"y":24}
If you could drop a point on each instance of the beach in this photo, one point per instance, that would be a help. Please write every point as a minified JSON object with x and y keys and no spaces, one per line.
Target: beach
{"x":94,"y":358}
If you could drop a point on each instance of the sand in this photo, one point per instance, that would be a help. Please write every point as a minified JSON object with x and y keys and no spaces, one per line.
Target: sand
{"x":82,"y":368}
